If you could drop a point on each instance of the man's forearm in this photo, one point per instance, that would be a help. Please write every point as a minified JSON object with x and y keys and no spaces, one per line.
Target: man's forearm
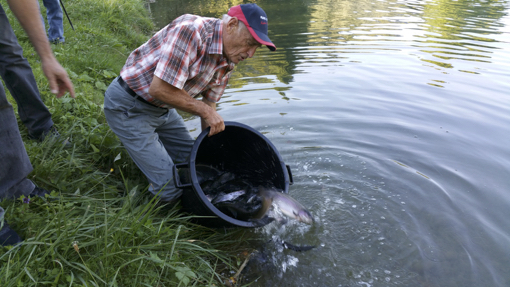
{"x":177,"y":98}
{"x":212,"y":105}
{"x":181,"y":100}
{"x":28,"y":14}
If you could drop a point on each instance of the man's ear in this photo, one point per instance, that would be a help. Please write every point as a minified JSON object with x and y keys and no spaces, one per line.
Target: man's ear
{"x":232,"y":24}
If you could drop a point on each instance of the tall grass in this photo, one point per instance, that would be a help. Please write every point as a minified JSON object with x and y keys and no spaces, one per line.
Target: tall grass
{"x":101,"y":239}
{"x":99,"y":227}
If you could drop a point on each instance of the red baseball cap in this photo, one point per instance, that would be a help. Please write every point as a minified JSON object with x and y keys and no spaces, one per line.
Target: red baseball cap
{"x":255,"y":20}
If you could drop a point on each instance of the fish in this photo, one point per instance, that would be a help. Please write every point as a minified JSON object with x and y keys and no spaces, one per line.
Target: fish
{"x":243,"y":206}
{"x":262,"y":261}
{"x":213,"y":185}
{"x":298,"y":248}
{"x":286,"y":204}
{"x":241,"y":199}
{"x":206,"y":172}
{"x":228,"y":197}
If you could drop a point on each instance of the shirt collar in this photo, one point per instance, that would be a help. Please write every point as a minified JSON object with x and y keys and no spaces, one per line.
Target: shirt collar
{"x":216,"y":46}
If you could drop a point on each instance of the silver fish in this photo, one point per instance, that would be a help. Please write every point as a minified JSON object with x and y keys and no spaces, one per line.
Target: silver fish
{"x":287,"y":205}
{"x":228,"y":197}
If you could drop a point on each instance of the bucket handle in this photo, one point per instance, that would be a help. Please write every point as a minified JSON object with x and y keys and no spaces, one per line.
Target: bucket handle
{"x":291,"y":181}
{"x":177,"y":179}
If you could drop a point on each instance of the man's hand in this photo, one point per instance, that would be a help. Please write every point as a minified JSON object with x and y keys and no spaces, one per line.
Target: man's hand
{"x":29,"y":16}
{"x":57,"y":78}
{"x":181,"y":100}
{"x":214,"y":120}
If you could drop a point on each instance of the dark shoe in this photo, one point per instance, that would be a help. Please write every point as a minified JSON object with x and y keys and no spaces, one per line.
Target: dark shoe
{"x":57,"y":41}
{"x":53,"y":134}
{"x":39,"y":192}
{"x":8,"y":236}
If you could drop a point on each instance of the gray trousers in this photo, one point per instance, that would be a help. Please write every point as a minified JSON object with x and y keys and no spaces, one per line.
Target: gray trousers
{"x":19,"y":79}
{"x":153,"y":137}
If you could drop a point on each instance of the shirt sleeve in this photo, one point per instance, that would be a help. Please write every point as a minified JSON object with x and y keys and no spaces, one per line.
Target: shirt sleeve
{"x":179,"y":50}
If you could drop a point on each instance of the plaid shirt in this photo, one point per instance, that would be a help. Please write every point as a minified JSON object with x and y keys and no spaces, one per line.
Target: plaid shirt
{"x":187,"y":54}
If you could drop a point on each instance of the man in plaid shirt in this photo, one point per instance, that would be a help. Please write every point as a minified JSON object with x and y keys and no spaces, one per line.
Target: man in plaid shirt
{"x":192,"y":56}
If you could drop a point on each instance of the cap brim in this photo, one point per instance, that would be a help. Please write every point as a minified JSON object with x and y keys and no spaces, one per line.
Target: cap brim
{"x":262,"y":38}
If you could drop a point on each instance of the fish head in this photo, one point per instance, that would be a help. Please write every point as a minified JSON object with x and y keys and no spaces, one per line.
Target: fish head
{"x":304,"y":216}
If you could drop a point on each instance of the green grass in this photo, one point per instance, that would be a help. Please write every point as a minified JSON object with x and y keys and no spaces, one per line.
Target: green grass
{"x":100,"y":227}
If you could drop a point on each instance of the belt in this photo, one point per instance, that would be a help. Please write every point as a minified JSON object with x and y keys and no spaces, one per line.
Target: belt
{"x":133,"y":94}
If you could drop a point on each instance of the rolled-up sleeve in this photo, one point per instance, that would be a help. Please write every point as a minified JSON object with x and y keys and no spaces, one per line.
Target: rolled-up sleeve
{"x":177,"y":54}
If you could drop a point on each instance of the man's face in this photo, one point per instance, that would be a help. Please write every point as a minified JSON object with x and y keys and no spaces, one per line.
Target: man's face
{"x":238,"y":43}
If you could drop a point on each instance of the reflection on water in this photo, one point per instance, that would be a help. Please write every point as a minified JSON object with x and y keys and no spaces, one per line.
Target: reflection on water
{"x":395,"y":119}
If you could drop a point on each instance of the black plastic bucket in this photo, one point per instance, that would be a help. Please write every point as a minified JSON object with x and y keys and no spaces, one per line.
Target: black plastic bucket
{"x":239,"y":149}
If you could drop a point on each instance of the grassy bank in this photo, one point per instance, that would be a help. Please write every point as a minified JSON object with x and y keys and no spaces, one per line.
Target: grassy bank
{"x":100,"y":228}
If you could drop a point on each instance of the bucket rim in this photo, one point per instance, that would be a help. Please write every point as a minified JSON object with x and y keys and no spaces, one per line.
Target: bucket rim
{"x":200,"y":192}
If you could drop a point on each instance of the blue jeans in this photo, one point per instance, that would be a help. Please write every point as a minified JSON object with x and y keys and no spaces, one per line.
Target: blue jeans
{"x":19,"y":79}
{"x":155,"y":138}
{"x":15,"y":164}
{"x":55,"y":19}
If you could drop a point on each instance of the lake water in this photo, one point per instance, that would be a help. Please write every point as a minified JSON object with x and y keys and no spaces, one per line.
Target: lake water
{"x":394,"y":117}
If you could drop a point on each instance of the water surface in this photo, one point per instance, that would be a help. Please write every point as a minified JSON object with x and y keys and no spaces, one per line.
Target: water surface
{"x":394,"y":117}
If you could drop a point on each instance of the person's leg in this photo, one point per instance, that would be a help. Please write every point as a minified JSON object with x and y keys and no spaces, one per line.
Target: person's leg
{"x":55,"y":18}
{"x":42,"y":18}
{"x":19,"y":79}
{"x":15,"y":165}
{"x":175,"y":137}
{"x":177,"y":142}
{"x":14,"y":168}
{"x":7,"y":235}
{"x":135,"y":123}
